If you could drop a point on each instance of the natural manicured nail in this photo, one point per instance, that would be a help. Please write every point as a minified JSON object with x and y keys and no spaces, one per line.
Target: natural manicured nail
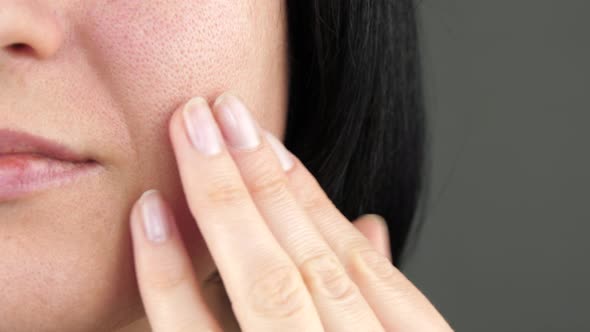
{"x":201,"y":127}
{"x":280,"y":150}
{"x":154,"y":217}
{"x":237,"y":124}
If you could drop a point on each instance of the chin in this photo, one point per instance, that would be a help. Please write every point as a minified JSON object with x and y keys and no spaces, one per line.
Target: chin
{"x":66,"y":260}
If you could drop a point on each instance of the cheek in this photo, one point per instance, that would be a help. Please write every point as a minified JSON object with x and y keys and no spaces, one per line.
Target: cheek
{"x":155,"y":56}
{"x":62,"y":270}
{"x":152,"y":56}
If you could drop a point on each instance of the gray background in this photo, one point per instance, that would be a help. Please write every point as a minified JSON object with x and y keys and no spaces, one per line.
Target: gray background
{"x":505,"y":242}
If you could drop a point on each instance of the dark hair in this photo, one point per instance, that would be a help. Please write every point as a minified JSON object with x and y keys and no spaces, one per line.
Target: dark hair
{"x":356,"y":116}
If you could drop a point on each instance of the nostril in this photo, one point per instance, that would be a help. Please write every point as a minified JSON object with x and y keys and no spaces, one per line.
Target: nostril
{"x":20,"y":49}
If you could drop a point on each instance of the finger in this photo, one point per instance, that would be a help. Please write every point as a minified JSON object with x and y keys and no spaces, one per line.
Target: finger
{"x":264,"y":286}
{"x":337,"y":299}
{"x":374,"y":228}
{"x":399,"y":305}
{"x":167,"y":283}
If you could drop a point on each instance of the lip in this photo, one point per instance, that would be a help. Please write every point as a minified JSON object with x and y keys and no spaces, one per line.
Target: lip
{"x":30,"y":163}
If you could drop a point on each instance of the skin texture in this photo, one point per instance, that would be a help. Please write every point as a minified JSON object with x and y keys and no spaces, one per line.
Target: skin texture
{"x":103,"y":77}
{"x":107,"y":79}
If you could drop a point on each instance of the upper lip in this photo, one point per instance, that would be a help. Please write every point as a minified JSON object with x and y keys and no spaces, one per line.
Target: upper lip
{"x":18,"y":142}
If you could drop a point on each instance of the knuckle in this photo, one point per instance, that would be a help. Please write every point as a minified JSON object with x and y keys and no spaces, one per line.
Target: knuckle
{"x":369,"y":263}
{"x":325,"y":274}
{"x":315,"y":202}
{"x":268,"y":184}
{"x":226,"y":191}
{"x":278,"y":294}
{"x":167,"y":276}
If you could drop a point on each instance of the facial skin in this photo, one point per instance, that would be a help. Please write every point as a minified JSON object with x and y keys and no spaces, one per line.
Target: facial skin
{"x":103,"y":77}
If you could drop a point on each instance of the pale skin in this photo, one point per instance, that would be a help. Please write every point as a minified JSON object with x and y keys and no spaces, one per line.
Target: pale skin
{"x":108,"y":79}
{"x":289,"y":260}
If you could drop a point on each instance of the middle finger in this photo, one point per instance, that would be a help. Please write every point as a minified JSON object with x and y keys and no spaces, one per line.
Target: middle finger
{"x":338,"y":300}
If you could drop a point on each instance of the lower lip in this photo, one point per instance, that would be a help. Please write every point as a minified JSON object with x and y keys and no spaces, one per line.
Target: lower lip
{"x":22,"y":174}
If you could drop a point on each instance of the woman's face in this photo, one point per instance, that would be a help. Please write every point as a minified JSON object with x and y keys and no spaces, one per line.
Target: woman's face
{"x":103,"y":77}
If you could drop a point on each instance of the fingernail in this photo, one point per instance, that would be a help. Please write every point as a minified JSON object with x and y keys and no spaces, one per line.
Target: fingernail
{"x":155,"y":220}
{"x":201,"y":127}
{"x":280,"y":150}
{"x":237,"y":124}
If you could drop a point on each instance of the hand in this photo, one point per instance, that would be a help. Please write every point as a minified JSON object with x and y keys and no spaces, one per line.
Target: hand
{"x":289,"y":260}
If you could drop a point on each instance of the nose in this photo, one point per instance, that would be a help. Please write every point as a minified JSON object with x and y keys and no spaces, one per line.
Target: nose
{"x":28,"y":29}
